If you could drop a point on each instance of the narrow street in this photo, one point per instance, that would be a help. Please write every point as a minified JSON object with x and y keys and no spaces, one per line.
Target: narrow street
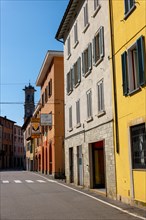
{"x":25,"y":195}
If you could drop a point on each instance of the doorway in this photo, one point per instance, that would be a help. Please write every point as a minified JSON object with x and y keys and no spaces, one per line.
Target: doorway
{"x":80,"y":165}
{"x":98,"y":165}
{"x":46,"y":161}
{"x":50,"y":158}
{"x":71,"y":165}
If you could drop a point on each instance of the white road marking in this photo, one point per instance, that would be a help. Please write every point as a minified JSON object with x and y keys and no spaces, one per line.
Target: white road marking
{"x":5,"y":181}
{"x":52,"y":181}
{"x":17,"y":181}
{"x":99,"y":200}
{"x":29,"y":181}
{"x":41,"y":181}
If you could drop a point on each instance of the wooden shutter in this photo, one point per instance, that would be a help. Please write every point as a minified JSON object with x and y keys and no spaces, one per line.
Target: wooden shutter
{"x":67,"y":83}
{"x":94,"y":50}
{"x":101,"y":37}
{"x":90,"y":56}
{"x":140,"y":50}
{"x":72,"y":79}
{"x":79,"y":69}
{"x":83,"y":64}
{"x":124,"y":73}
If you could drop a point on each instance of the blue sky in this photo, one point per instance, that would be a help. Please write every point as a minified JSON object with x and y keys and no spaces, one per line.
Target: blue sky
{"x":27,"y":31}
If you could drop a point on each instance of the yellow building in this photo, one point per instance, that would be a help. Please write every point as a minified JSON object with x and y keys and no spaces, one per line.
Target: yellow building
{"x":128,"y":40}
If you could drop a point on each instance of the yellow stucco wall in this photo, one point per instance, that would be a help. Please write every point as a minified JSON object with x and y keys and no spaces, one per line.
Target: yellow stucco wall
{"x":131,"y":109}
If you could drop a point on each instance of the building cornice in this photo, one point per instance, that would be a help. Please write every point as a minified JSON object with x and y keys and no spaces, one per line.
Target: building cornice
{"x":46,"y":64}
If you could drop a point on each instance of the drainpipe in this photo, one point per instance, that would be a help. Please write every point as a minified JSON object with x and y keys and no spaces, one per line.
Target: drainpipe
{"x":116,"y":130}
{"x":114,"y":77}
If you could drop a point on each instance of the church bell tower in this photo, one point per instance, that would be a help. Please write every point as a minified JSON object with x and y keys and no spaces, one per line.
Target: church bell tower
{"x":29,"y":105}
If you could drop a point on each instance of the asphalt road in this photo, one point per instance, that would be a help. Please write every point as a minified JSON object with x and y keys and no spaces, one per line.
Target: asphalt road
{"x":29,"y":196}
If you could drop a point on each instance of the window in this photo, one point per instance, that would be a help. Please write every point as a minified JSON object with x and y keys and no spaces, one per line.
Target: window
{"x":86,"y":23}
{"x":68,"y":47}
{"x":129,"y":6}
{"x":89,"y":105}
{"x":87,"y":60}
{"x":96,"y":4}
{"x":70,"y":118}
{"x":46,"y":95}
{"x":69,"y":81}
{"x":98,"y":46}
{"x":43,"y":101}
{"x":100,"y":95}
{"x":138,"y":145}
{"x":50,"y":88}
{"x":77,"y":72}
{"x":78,"y":112}
{"x":133,"y":75}
{"x":75,"y":35}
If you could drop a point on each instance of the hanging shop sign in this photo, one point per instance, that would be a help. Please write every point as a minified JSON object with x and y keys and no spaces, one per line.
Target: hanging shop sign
{"x":35,"y":127}
{"x":46,"y":119}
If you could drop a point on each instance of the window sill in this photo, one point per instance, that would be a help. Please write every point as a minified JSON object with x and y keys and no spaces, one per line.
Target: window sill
{"x":76,"y":43}
{"x":87,"y":73}
{"x":78,"y":83}
{"x":70,"y":129}
{"x":78,"y":125}
{"x":138,"y":169}
{"x":86,"y":27}
{"x":101,"y":113}
{"x":69,"y":92}
{"x":129,"y":12}
{"x":69,"y":56}
{"x":89,"y":119}
{"x":98,"y":61}
{"x":96,"y":10}
{"x":134,"y":91}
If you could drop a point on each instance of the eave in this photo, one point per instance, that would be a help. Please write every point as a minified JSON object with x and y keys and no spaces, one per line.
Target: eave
{"x":68,"y":15}
{"x":46,"y":64}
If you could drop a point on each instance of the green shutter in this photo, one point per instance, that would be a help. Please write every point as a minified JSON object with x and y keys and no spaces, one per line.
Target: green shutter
{"x":140,"y":50}
{"x":79,"y":69}
{"x":90,"y":56}
{"x":124,"y":73}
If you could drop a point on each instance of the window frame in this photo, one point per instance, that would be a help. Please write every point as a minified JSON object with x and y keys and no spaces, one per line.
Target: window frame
{"x":128,"y":10}
{"x":87,"y":60}
{"x":69,"y":81}
{"x":76,"y":41}
{"x":127,"y":71}
{"x":96,"y":7}
{"x":77,"y":72}
{"x":100,"y":98}
{"x":70,"y":119}
{"x":86,"y":17}
{"x":135,"y":155}
{"x":89,"y":105}
{"x":78,"y":115}
{"x":100,"y":35}
{"x":68,"y":47}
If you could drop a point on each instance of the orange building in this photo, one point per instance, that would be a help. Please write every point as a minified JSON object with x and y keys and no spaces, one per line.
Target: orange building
{"x":50,"y":147}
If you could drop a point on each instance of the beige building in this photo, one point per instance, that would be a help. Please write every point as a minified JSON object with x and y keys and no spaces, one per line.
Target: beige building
{"x":19,"y":150}
{"x":89,"y":148}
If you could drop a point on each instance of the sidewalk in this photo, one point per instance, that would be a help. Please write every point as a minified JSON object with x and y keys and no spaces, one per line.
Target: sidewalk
{"x":102,"y":198}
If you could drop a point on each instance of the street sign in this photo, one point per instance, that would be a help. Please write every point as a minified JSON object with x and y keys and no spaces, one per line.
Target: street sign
{"x":35,"y":127}
{"x":46,"y":119}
